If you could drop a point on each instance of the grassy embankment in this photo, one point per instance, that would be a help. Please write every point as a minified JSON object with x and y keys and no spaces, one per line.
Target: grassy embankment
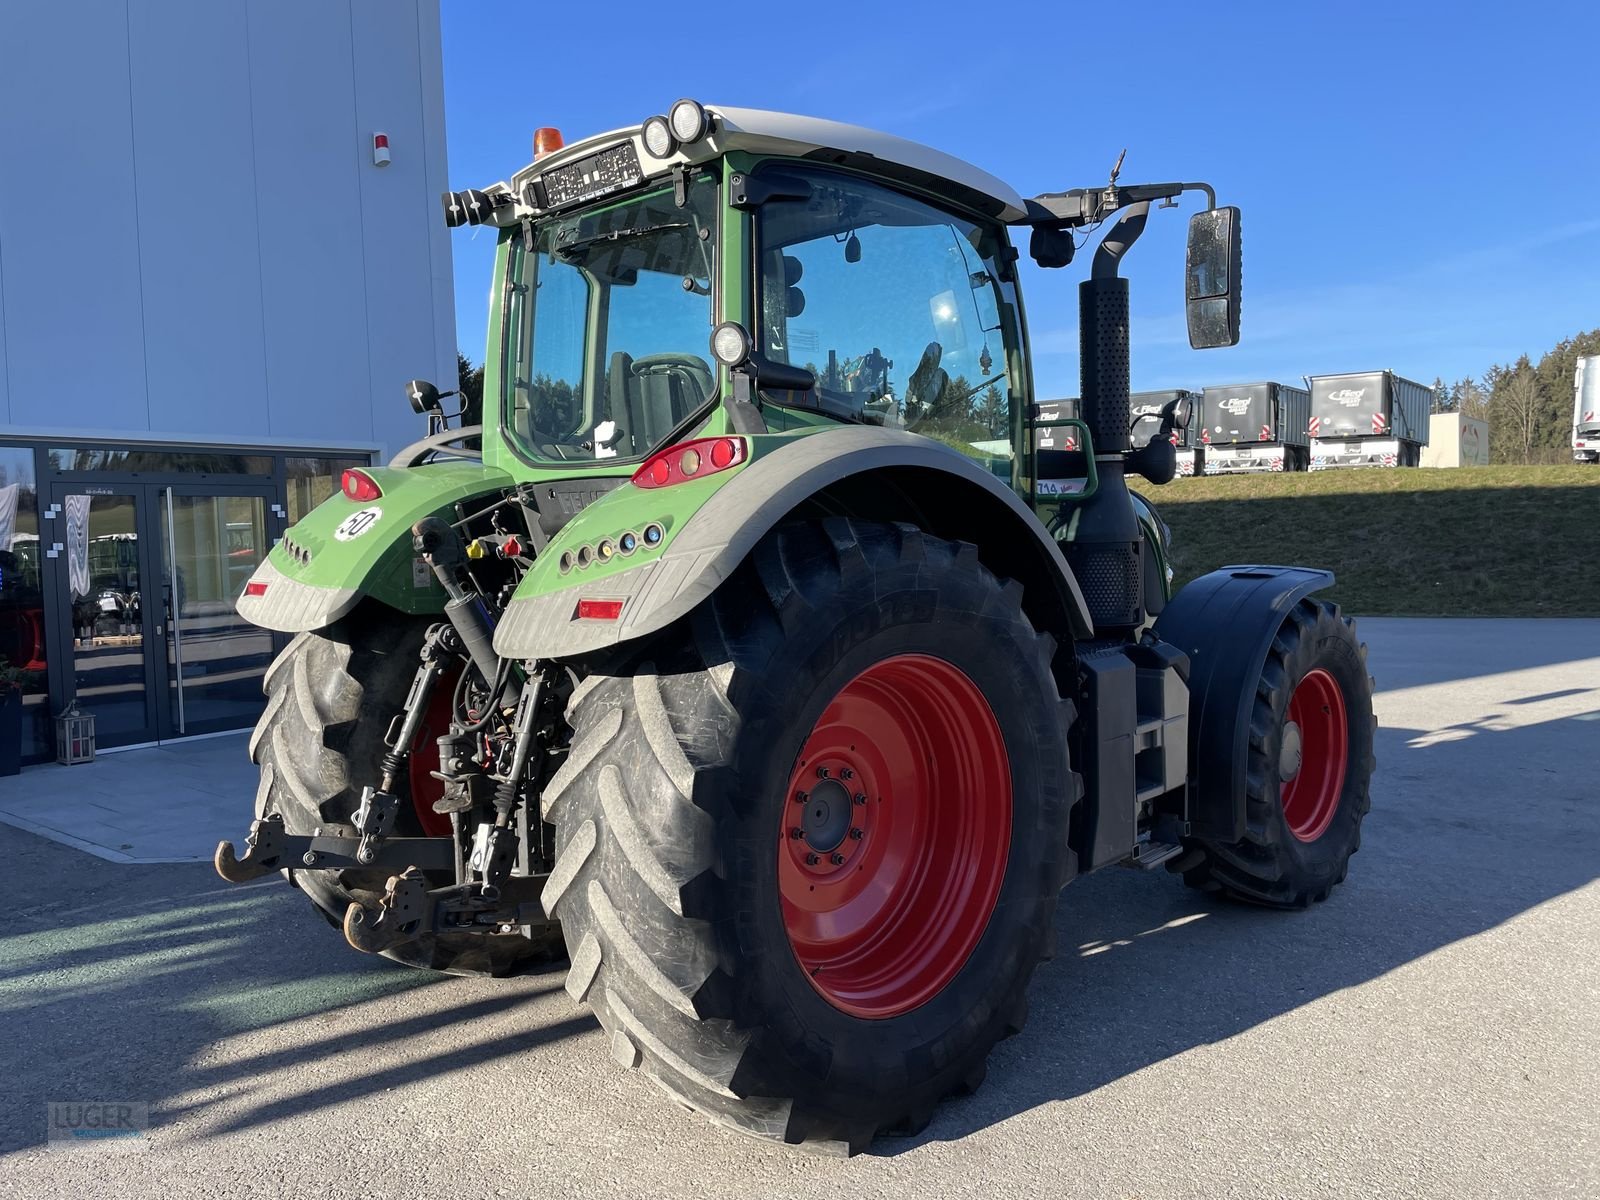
{"x":1486,"y":541}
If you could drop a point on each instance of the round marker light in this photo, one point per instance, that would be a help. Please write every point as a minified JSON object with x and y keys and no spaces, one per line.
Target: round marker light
{"x":689,"y":462}
{"x":688,"y":121}
{"x":723,"y":453}
{"x":730,"y":344}
{"x":658,"y":139}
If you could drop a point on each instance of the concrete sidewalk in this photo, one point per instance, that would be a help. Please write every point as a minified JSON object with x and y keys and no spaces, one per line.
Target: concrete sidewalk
{"x":161,"y":804}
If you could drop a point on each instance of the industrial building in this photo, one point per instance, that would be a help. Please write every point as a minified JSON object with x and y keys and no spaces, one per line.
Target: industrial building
{"x":220,"y":259}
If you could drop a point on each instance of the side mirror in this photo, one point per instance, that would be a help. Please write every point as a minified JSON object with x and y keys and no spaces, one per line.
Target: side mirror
{"x":1211,"y":298}
{"x":1177,"y":413}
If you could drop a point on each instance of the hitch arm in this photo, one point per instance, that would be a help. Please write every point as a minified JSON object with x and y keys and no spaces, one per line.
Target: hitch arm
{"x":269,"y":848}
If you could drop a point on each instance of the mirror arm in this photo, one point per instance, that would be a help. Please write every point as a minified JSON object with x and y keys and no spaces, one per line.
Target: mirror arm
{"x":1115,"y":244}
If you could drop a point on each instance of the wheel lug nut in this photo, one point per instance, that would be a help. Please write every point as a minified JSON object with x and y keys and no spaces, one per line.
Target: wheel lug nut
{"x":857,"y":834}
{"x":812,"y":860}
{"x":796,"y":832}
{"x":837,"y":859}
{"x":846,"y":773}
{"x":822,"y":772}
{"x":860,"y":799}
{"x":801,"y":797}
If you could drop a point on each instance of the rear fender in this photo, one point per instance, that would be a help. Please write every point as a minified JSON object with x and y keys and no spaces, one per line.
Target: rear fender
{"x":1225,"y":623}
{"x":344,"y":550}
{"x":873,"y":473}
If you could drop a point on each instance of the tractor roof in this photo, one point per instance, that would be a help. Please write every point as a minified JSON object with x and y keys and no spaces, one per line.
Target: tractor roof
{"x":757,"y":131}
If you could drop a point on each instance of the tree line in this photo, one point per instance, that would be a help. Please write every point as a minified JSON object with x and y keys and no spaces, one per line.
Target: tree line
{"x":1527,"y":404}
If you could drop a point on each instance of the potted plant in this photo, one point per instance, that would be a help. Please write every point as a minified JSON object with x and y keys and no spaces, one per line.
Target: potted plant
{"x":11,"y":681}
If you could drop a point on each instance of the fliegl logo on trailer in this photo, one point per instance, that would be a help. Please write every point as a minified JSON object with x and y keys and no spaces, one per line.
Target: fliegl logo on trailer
{"x":1349,"y":397}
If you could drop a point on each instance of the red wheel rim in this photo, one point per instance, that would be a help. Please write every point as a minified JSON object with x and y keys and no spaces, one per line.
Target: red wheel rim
{"x":894,"y":835}
{"x":1314,"y":755}
{"x":425,"y":789}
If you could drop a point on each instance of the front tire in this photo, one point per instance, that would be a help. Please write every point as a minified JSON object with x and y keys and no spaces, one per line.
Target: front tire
{"x":891,"y":678}
{"x":1309,"y":772}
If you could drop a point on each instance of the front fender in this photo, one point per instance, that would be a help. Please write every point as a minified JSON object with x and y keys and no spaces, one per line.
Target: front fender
{"x":706,"y":545}
{"x":1225,"y":623}
{"x":334,"y":555}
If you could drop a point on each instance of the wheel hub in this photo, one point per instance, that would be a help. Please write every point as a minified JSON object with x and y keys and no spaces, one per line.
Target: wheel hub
{"x":896,"y":831}
{"x":1314,"y":756}
{"x":826,"y":820}
{"x":1289,"y":755}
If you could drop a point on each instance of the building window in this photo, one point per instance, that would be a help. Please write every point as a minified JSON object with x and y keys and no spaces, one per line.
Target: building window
{"x":310,"y":481}
{"x":151,"y":460}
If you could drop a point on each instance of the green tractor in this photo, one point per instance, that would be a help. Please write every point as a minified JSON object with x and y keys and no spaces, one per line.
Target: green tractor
{"x":753,"y":654}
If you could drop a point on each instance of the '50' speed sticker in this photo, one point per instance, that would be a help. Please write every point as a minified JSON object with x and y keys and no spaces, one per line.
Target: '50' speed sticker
{"x":356,"y":524}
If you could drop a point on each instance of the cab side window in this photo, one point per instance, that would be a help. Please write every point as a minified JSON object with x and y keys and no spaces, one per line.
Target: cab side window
{"x":897,"y":307}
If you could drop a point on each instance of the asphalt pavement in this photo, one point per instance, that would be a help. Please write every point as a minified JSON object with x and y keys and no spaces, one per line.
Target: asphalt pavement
{"x":1433,"y":1030}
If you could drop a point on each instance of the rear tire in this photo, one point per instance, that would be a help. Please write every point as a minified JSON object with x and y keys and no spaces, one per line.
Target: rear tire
{"x":1309,"y":772}
{"x":330,"y":697}
{"x":678,"y":875}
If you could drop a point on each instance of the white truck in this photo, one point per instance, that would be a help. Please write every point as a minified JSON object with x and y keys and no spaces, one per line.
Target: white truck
{"x":1586,"y":411}
{"x":1248,"y":427}
{"x":1368,"y":419}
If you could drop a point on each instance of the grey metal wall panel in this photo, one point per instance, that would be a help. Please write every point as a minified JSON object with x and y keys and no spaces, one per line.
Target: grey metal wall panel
{"x":401,"y":213}
{"x":195,"y":179}
{"x":313,"y":287}
{"x":442,"y":278}
{"x":74,"y":335}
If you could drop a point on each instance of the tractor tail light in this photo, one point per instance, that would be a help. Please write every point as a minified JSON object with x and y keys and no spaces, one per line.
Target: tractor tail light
{"x":690,"y":460}
{"x":599,"y":610}
{"x":358,"y":485}
{"x":255,"y":589}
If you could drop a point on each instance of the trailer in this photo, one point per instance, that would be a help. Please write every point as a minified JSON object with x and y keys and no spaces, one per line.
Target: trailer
{"x":1255,"y":427}
{"x":1456,"y":441}
{"x":1057,"y":438}
{"x":1586,"y":411}
{"x":1368,"y":419}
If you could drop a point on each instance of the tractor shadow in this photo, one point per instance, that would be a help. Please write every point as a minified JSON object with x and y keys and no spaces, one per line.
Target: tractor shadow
{"x":224,"y":1008}
{"x":1147,"y":969}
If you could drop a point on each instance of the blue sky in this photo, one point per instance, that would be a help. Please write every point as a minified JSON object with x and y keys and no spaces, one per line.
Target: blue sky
{"x":1420,"y":183}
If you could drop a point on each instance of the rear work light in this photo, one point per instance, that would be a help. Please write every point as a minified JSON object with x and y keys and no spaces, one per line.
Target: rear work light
{"x":358,"y":485}
{"x":691,"y":460}
{"x":599,"y":610}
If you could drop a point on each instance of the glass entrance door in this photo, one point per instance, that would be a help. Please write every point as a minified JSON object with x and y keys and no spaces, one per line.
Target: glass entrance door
{"x":104,"y":578}
{"x":149,"y":576}
{"x":213,"y":660}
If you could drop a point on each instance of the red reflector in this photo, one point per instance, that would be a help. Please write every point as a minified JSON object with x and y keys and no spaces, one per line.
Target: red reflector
{"x":691,"y":460}
{"x":255,"y":589}
{"x":599,"y":610}
{"x":358,"y":485}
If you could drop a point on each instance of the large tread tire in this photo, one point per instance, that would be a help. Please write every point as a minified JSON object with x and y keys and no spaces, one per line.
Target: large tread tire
{"x":1270,"y":866}
{"x":669,"y":808}
{"x":331,"y":695}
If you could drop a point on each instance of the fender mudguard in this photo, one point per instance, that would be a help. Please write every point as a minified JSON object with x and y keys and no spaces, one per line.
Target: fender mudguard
{"x":1225,"y":623}
{"x":542,"y":619}
{"x":344,"y":549}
